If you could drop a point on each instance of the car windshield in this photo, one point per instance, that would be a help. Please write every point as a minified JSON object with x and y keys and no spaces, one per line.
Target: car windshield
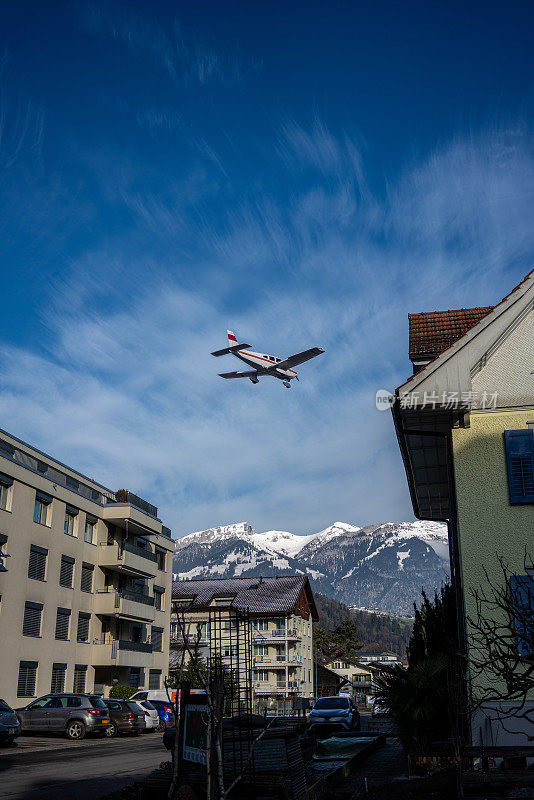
{"x":4,"y":706}
{"x":97,"y":702}
{"x":332,"y":702}
{"x":146,"y":704}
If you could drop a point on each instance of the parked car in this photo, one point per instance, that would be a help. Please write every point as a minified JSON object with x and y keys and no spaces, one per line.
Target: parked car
{"x":165,"y":713}
{"x":125,"y":717}
{"x":9,"y":724}
{"x":335,"y":712}
{"x":72,"y":714}
{"x":379,"y":709}
{"x":150,"y":714}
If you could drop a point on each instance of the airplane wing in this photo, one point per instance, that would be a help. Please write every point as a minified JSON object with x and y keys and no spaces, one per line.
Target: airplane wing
{"x":231,"y":349}
{"x":248,"y":374}
{"x":299,"y":358}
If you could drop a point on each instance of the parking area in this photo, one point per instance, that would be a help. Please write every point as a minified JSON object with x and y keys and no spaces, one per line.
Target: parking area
{"x":53,"y":768}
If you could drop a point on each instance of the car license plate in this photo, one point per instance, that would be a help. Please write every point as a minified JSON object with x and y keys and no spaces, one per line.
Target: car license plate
{"x":105,"y":721}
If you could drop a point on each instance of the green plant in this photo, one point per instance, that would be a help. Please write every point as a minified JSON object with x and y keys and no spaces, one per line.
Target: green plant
{"x":121,"y":691}
{"x":417,"y":701}
{"x":341,"y":642}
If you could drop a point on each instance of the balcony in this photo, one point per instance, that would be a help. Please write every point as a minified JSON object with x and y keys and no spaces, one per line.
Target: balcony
{"x":128,"y":559}
{"x":125,"y":604}
{"x":277,"y":661}
{"x":109,"y":652}
{"x":280,"y":687}
{"x":277,"y":635}
{"x":134,"y":514}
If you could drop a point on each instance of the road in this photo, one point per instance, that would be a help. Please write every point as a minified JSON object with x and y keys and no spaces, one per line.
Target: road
{"x":54,"y":769}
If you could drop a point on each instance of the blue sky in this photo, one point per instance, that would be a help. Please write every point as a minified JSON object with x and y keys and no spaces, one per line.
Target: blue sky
{"x":304,"y":173}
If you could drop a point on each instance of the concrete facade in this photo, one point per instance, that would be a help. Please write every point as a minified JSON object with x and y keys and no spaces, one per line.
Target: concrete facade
{"x":85,"y":581}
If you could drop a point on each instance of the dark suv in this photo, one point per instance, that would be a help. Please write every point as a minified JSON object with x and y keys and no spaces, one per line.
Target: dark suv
{"x":72,"y":714}
{"x":125,"y":717}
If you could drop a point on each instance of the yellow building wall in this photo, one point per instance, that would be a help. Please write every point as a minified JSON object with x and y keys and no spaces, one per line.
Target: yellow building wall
{"x":488,"y":525}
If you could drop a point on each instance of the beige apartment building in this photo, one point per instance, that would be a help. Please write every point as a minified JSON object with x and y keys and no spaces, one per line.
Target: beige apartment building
{"x":85,"y":581}
{"x":360,"y":678}
{"x":275,"y":649}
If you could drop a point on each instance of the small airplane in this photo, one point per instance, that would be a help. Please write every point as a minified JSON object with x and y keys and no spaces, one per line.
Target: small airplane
{"x":281,"y":368}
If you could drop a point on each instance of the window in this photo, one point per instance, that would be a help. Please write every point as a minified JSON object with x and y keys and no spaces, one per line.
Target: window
{"x":80,"y":671}
{"x":156,"y":637}
{"x":42,"y":513}
{"x":74,"y":702}
{"x":57,"y":684}
{"x":69,"y":526}
{"x":90,"y":526}
{"x":159,"y":599}
{"x":27,"y":678}
{"x":134,"y":679}
{"x":261,"y":650}
{"x":62,"y":624}
{"x":31,"y":625}
{"x":262,"y":675}
{"x":260,"y":624}
{"x":82,"y":634}
{"x":161,"y":559}
{"x":66,"y":572}
{"x":3,"y":553}
{"x":522,"y":607}
{"x":154,"y":679}
{"x":519,"y":447}
{"x":86,"y":583}
{"x":37,"y":563}
{"x":5,"y":492}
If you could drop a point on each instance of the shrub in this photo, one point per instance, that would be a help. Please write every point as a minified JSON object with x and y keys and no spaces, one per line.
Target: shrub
{"x":121,"y":692}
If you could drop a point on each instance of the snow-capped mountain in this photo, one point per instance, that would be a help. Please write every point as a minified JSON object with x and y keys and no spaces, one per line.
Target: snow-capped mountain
{"x":382,"y":566}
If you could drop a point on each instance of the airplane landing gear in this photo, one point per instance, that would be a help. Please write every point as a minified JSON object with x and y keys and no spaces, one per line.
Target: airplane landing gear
{"x":254,"y":379}
{"x":287,"y":384}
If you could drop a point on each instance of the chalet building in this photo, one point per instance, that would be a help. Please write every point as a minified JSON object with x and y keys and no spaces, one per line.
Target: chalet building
{"x":261,"y":627}
{"x":465,"y":426}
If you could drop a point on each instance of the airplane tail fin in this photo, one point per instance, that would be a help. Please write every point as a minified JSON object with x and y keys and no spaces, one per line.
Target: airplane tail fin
{"x":231,"y":338}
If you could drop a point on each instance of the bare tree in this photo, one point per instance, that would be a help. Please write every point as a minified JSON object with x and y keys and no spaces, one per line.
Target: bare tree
{"x":501,"y":644}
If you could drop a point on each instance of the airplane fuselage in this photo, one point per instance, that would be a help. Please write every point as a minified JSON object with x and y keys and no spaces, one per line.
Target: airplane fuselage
{"x":264,"y":364}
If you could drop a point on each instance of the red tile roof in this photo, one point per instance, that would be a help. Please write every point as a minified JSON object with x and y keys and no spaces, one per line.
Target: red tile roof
{"x":432,"y":332}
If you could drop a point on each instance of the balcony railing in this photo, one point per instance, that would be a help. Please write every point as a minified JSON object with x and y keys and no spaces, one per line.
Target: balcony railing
{"x":135,"y":597}
{"x":263,"y":687}
{"x":134,"y":500}
{"x":137,"y":647}
{"x":279,"y":660}
{"x":139,"y":551}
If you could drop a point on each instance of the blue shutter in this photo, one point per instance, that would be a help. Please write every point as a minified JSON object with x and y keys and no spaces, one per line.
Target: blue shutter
{"x":520,"y":464}
{"x":522,"y":588}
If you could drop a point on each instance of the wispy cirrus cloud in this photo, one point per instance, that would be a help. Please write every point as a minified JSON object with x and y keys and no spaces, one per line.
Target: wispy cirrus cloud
{"x":127,"y":368}
{"x":185,"y":59}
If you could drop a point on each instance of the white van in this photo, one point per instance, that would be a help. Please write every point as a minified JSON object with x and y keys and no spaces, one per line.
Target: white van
{"x":161,"y":694}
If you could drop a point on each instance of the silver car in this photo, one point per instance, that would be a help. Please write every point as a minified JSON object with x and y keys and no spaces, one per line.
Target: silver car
{"x":9,"y":724}
{"x":72,"y":714}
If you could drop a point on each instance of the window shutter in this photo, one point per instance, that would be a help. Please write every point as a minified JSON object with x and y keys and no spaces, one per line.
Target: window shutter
{"x":80,"y":671}
{"x":520,"y":465}
{"x":26,"y":681}
{"x":83,"y":627}
{"x":58,"y":678}
{"x":87,"y":577}
{"x":6,"y":480}
{"x":522,"y":589}
{"x":66,"y":571}
{"x":154,"y":679}
{"x":37,"y":563}
{"x":62,"y":623}
{"x":156,"y":638}
{"x":31,"y":625}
